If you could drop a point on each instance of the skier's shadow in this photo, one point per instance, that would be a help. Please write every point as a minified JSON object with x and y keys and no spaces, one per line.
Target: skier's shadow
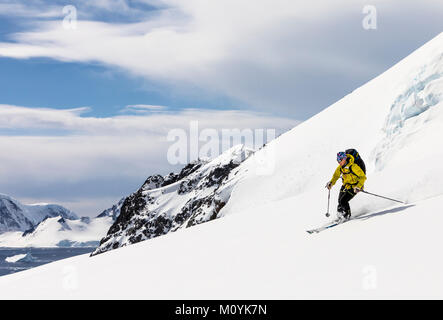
{"x":365,"y":216}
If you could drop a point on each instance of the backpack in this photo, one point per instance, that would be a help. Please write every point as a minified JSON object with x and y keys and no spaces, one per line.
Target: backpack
{"x":357,"y":159}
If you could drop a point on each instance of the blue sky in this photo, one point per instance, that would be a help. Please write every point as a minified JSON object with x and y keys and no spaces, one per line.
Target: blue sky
{"x":327,"y":52}
{"x":68,"y":133}
{"x":42,"y":82}
{"x":45,"y":82}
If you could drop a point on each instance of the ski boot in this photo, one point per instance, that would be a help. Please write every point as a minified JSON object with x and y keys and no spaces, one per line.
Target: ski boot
{"x":342,"y":215}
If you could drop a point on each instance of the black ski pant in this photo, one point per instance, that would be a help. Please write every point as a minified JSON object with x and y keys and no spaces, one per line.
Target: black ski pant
{"x":343,"y":200}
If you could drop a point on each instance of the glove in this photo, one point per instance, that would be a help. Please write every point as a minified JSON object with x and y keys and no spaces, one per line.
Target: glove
{"x":357,"y":190}
{"x":328,"y":185}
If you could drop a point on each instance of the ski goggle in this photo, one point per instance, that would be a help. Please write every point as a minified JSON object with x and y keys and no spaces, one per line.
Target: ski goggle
{"x":341,"y":156}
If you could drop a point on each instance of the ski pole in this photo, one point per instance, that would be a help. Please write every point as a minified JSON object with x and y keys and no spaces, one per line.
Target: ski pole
{"x":382,"y":197}
{"x":329,"y":197}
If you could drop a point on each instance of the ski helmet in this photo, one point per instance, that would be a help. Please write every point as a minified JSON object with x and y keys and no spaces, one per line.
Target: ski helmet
{"x":340,"y":156}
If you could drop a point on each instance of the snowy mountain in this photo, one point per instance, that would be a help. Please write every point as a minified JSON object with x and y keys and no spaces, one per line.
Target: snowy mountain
{"x":59,"y":232}
{"x":48,"y":225}
{"x":166,"y":204}
{"x":114,"y":211}
{"x":259,"y":248}
{"x":15,"y":216}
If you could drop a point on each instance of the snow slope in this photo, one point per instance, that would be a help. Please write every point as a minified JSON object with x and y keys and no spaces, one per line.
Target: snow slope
{"x":260,"y":250}
{"x":394,"y":121}
{"x":254,"y":256}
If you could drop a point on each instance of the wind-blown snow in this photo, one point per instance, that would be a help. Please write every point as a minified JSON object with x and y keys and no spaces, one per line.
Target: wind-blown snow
{"x":260,"y":250}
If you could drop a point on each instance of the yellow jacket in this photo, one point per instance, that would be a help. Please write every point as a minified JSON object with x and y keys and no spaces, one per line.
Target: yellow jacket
{"x":351,"y":174}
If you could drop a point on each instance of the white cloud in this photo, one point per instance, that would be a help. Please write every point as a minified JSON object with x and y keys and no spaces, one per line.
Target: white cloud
{"x":259,"y":52}
{"x":143,"y":108}
{"x":272,"y":55}
{"x":158,"y":123}
{"x":97,"y":158}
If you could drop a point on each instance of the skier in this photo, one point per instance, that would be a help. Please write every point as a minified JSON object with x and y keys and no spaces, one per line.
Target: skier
{"x":353,"y":175}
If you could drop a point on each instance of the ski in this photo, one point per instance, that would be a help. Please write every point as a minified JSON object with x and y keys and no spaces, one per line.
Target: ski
{"x":328,"y":226}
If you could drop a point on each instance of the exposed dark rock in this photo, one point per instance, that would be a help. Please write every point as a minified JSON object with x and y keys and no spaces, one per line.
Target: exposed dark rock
{"x":153,"y":182}
{"x":86,"y":220}
{"x":29,"y":231}
{"x":146,"y":214}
